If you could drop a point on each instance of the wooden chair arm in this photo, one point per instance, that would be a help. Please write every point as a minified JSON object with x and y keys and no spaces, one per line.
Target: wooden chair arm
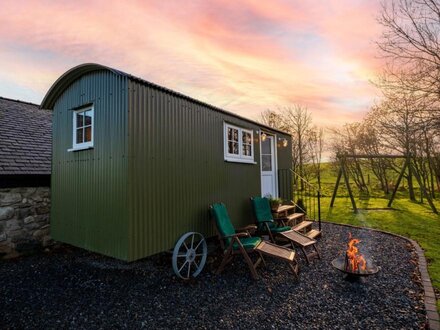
{"x":244,"y":234}
{"x":248,"y":228}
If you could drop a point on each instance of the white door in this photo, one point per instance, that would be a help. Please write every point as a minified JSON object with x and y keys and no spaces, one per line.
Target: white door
{"x":268,"y":167}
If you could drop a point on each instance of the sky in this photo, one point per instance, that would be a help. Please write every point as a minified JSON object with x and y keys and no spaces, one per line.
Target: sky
{"x":244,"y":56}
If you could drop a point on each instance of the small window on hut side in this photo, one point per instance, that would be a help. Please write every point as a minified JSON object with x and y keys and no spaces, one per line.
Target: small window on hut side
{"x":82,"y":128}
{"x":239,"y":144}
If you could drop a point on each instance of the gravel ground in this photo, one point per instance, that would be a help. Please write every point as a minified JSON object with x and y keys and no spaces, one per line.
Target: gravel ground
{"x":73,"y":288}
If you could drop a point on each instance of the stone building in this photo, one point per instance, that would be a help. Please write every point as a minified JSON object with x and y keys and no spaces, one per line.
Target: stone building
{"x":25,"y":167}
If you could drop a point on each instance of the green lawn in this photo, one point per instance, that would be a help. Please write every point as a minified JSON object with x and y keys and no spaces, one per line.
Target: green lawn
{"x":409,"y":219}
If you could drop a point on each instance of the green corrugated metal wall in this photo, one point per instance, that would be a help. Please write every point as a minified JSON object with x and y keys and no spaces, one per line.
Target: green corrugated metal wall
{"x":177,"y":168}
{"x":89,"y":187}
{"x":156,"y":165}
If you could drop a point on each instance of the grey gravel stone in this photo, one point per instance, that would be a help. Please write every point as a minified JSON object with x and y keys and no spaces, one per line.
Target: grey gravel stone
{"x":76,"y":289}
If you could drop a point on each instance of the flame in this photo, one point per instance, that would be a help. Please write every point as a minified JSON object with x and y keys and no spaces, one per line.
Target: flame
{"x":355,"y":260}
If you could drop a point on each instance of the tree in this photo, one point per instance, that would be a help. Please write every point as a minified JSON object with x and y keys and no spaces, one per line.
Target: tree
{"x":369,"y":143}
{"x":406,"y":121}
{"x":297,"y":119}
{"x":272,"y":119}
{"x":346,"y":141}
{"x":307,"y":144}
{"x":315,"y":148}
{"x":410,"y":43}
{"x":398,"y":120}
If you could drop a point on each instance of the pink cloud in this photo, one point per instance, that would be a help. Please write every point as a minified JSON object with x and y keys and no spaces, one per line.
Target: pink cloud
{"x":246,"y":56}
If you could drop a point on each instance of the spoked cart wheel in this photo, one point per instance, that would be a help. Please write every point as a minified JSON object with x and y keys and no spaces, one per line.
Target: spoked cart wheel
{"x":189,"y":255}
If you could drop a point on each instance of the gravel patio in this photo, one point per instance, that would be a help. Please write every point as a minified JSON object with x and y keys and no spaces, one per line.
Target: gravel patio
{"x":76,"y":289}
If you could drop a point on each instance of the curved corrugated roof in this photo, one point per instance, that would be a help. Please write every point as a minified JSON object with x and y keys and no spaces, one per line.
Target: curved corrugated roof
{"x":63,"y":82}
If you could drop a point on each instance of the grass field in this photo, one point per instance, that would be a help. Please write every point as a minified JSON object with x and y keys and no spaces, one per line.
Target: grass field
{"x":406,"y":218}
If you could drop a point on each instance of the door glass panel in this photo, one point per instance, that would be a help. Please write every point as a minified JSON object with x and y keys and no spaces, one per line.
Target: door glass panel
{"x":266,"y":163}
{"x":265,"y":147}
{"x":266,"y":155}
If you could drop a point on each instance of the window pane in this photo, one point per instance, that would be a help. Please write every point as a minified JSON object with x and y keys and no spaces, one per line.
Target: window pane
{"x":246,"y":138}
{"x":79,"y":119}
{"x":232,"y":134}
{"x":233,"y":148}
{"x":88,"y":118}
{"x":247,"y":150}
{"x":88,"y":134}
{"x":265,"y":147}
{"x":266,"y":162}
{"x":79,"y":135}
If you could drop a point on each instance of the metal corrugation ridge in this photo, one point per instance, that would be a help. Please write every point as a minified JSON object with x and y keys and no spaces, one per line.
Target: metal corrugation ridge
{"x":67,"y":78}
{"x":210,"y":106}
{"x":177,"y":169}
{"x":89,"y":186}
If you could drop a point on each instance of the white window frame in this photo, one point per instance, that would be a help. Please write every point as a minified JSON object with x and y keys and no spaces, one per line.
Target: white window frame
{"x":240,"y":158}
{"x":83,"y":145}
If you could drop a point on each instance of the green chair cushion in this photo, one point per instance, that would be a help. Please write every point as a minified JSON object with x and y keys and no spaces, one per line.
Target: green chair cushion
{"x":262,"y":210}
{"x":273,"y":228}
{"x":279,"y":229}
{"x":248,"y":243}
{"x":223,"y":222}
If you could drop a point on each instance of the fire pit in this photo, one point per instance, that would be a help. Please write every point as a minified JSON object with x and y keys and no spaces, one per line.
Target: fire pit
{"x":354,"y":264}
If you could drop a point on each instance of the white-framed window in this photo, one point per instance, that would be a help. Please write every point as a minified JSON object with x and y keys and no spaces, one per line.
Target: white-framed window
{"x":239,"y":144}
{"x":82,"y":128}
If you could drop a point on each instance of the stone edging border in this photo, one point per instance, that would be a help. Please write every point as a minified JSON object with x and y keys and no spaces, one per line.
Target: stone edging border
{"x":430,"y":301}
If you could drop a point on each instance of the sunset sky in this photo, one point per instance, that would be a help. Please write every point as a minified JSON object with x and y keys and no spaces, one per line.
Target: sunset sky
{"x":244,"y":56}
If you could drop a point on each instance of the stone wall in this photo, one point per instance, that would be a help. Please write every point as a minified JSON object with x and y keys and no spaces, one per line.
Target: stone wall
{"x":24,"y":220}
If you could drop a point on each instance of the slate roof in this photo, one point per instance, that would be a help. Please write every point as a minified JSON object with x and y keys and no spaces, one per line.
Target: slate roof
{"x":25,"y":138}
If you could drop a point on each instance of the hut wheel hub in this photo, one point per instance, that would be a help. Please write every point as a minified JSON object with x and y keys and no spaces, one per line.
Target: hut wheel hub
{"x":191,"y":255}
